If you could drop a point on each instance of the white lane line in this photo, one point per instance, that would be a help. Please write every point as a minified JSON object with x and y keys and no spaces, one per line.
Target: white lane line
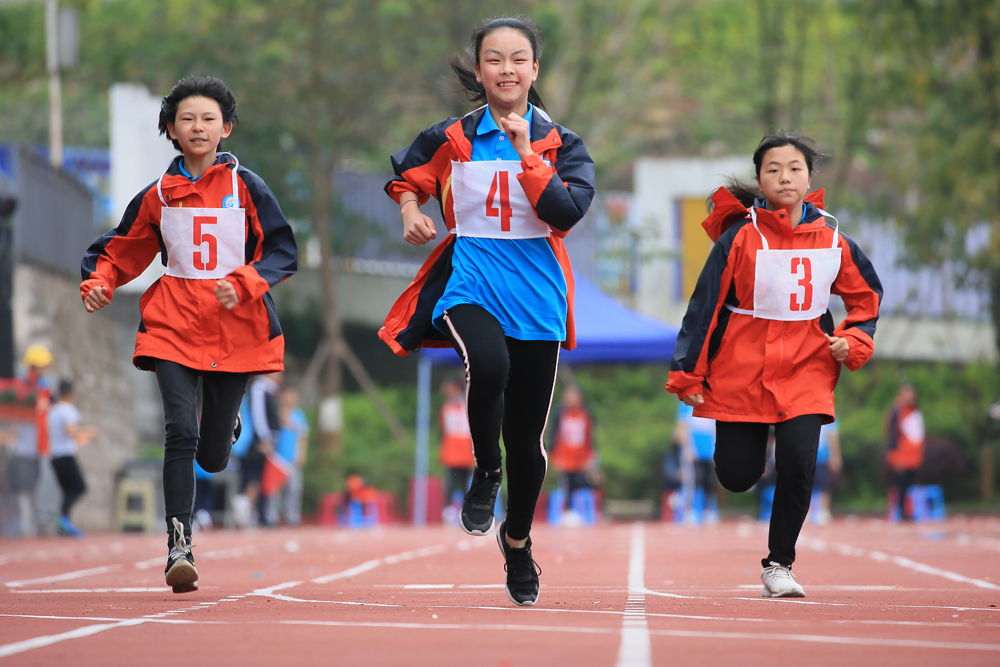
{"x":427,"y":586}
{"x":818,"y":639}
{"x":376,"y":562}
{"x":47,"y":591}
{"x":635,"y":649}
{"x":881,"y":557}
{"x":63,"y":577}
{"x":40,"y":642}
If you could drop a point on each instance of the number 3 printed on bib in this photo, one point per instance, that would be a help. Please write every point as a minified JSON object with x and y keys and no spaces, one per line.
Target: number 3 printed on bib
{"x":805,"y":282}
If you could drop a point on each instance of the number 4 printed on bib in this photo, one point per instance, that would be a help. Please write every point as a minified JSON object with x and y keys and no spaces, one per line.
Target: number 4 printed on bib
{"x":504,"y":212}
{"x":805,"y":282}
{"x":199,"y":238}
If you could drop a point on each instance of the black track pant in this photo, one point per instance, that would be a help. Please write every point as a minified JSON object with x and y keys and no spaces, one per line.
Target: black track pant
{"x":510,"y":385}
{"x":70,"y":481}
{"x":210,"y":442}
{"x":903,"y":480}
{"x":740,"y":455}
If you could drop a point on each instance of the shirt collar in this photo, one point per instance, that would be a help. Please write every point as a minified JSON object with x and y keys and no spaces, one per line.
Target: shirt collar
{"x":762,"y":203}
{"x":487,"y":124}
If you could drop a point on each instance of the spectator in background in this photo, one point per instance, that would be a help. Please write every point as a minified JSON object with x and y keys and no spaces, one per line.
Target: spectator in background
{"x":696,"y":436}
{"x":905,"y":431}
{"x":65,"y":435}
{"x":828,"y":465}
{"x":249,"y":506}
{"x":291,"y":445}
{"x":31,"y":440}
{"x":456,"y":453}
{"x":573,"y":454}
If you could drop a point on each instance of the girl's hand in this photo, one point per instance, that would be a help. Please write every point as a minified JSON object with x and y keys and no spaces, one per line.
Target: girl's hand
{"x":418,"y":229}
{"x":694,"y":400}
{"x":226,"y":294}
{"x":519,"y":133}
{"x":96,"y":299}
{"x":839,"y":347}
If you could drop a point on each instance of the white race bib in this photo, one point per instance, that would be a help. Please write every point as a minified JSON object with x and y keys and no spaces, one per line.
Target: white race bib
{"x":489,"y":202}
{"x":793,"y":285}
{"x":204,"y":243}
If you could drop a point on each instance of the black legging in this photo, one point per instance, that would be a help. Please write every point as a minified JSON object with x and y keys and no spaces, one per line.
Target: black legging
{"x":903,"y":480}
{"x":70,"y":481}
{"x":740,"y":456}
{"x":210,"y":442}
{"x":510,"y":385}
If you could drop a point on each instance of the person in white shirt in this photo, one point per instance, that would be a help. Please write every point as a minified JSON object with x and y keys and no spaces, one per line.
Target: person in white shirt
{"x":65,"y":435}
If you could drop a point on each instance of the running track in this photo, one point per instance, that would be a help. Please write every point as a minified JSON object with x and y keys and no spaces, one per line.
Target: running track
{"x":615,"y":595}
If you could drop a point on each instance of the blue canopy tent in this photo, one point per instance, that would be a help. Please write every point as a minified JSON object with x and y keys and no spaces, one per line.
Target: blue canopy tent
{"x":606,"y":332}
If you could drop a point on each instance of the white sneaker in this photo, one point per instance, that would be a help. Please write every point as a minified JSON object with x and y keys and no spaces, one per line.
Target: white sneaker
{"x":780,"y":583}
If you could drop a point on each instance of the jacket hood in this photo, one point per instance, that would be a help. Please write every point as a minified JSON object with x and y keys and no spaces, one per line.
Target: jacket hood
{"x":727,"y":210}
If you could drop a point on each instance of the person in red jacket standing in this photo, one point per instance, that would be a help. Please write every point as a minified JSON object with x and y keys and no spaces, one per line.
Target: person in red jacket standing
{"x":758,"y":346}
{"x":573,"y":453}
{"x":905,"y":426}
{"x":456,"y":453}
{"x":210,"y":319}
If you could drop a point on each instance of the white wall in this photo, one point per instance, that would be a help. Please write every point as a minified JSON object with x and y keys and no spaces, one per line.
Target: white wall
{"x":659,"y":183}
{"x":139,"y":155}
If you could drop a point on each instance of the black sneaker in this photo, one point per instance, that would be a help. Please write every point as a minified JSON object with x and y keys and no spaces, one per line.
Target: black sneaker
{"x":477,"y":509}
{"x":181,"y":574}
{"x":238,"y":428}
{"x":522,"y":570}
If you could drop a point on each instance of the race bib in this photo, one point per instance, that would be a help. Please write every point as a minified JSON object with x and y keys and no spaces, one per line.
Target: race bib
{"x":203,"y":243}
{"x":489,"y":202}
{"x":794,"y":285}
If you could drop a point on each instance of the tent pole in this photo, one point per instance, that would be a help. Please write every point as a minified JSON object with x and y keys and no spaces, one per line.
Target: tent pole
{"x":423,"y":440}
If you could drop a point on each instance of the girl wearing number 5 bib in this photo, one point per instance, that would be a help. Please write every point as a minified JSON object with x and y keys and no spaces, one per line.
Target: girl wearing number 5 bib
{"x":758,"y":346}
{"x":498,"y":288}
{"x":224,"y":242}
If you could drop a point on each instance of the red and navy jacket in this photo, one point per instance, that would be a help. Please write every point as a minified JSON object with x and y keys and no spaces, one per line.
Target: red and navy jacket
{"x":757,"y":370}
{"x":558,"y":179}
{"x":181,"y":319}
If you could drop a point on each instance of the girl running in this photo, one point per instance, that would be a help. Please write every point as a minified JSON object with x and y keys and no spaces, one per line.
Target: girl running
{"x":499,"y":288}
{"x":758,"y":346}
{"x":225,"y":243}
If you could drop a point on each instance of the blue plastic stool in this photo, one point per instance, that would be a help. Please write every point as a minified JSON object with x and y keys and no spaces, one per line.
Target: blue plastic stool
{"x":557,"y":500}
{"x":927,"y":503}
{"x":766,"y":501}
{"x":583,"y":504}
{"x":935,"y":502}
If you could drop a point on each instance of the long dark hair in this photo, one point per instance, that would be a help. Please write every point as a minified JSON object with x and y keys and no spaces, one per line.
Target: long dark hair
{"x":465,"y":70}
{"x":197,"y":86}
{"x":748,"y":193}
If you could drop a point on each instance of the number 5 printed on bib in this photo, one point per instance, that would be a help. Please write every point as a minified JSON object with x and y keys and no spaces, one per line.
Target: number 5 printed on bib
{"x":200,"y":238}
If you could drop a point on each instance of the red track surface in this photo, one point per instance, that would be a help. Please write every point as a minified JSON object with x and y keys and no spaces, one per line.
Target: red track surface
{"x":877,"y":595}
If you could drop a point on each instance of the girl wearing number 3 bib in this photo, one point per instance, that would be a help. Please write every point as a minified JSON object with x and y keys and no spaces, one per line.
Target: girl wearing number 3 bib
{"x":498,"y":288}
{"x":758,"y":346}
{"x":225,"y":243}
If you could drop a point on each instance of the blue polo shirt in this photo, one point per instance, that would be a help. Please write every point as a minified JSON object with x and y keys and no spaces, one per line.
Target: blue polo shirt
{"x":518,"y":281}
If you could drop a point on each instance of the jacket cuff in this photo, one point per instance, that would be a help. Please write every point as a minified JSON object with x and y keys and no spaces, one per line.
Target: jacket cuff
{"x":88,"y":285}
{"x":533,"y":161}
{"x":397,"y":188}
{"x":861,"y":347}
{"x":685,"y":384}
{"x":248,"y":283}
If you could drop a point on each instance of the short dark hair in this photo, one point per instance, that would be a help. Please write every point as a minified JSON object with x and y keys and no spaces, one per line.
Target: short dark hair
{"x":473,"y":89}
{"x":65,"y":388}
{"x":747,"y":193}
{"x":197,"y":86}
{"x":804,"y":145}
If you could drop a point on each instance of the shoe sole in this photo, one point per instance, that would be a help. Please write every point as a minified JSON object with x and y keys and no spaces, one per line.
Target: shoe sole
{"x":506,"y":588}
{"x":768,"y":594}
{"x":476,"y":531}
{"x":183,"y":577}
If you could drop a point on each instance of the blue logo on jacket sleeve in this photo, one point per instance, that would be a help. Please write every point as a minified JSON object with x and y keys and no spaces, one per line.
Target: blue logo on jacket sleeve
{"x":229,"y":201}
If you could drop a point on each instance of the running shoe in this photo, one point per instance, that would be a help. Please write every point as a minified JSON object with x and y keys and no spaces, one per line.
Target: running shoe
{"x":238,"y":428}
{"x":522,"y":570}
{"x":66,"y":527}
{"x":780,"y":583}
{"x":181,"y":573}
{"x":477,"y":509}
